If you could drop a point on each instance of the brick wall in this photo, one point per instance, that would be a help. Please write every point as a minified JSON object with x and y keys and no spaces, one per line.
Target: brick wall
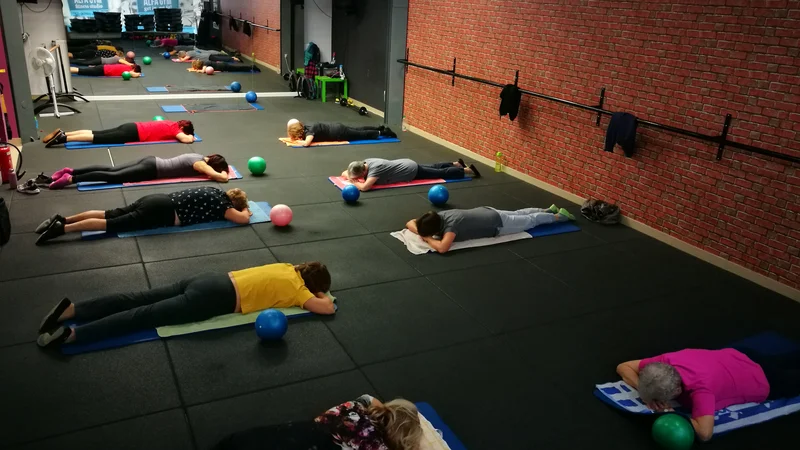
{"x":265,"y":44}
{"x":681,"y":63}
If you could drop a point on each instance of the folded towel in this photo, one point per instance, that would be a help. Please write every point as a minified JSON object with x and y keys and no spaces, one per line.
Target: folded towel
{"x":417,"y":246}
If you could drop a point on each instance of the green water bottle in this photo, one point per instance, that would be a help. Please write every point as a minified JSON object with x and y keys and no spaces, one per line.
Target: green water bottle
{"x":498,"y":162}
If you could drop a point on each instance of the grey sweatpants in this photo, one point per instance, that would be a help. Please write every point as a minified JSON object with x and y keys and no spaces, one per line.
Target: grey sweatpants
{"x":524,"y":219}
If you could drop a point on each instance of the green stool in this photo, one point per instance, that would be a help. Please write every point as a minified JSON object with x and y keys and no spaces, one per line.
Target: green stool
{"x":323,"y":81}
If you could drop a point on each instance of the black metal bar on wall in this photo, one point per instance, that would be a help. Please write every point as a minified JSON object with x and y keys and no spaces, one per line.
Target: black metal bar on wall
{"x":722,"y":139}
{"x":263,"y":27}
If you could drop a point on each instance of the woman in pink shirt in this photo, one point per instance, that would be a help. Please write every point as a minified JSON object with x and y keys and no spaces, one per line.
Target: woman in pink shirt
{"x":157,"y":130}
{"x":710,"y":380}
{"x":108,"y":70}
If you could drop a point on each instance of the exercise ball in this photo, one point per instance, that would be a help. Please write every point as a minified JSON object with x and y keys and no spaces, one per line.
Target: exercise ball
{"x":257,"y":165}
{"x":280,"y":215}
{"x":126,"y":75}
{"x":251,"y":97}
{"x":673,"y":432}
{"x":130,"y":55}
{"x":236,"y":86}
{"x":271,"y":325}
{"x":148,"y":42}
{"x":158,"y":118}
{"x":350,"y":193}
{"x":147,"y":60}
{"x":209,"y":70}
{"x":438,"y":195}
{"x":165,"y":55}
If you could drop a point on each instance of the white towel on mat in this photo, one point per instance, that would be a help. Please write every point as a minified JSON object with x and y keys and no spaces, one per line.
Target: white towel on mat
{"x":417,"y":246}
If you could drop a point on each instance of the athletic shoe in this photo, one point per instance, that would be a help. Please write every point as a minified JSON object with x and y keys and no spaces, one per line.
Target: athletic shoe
{"x":46,"y":224}
{"x":475,"y":173}
{"x":62,"y":182}
{"x":60,"y":138}
{"x":463,"y":164}
{"x":52,"y":135}
{"x":50,"y":321}
{"x":55,"y":230}
{"x":553,"y":208}
{"x":42,"y":180}
{"x":387,"y":132}
{"x":59,"y":173}
{"x":54,"y":339}
{"x":28,"y":187}
{"x":566,"y":214}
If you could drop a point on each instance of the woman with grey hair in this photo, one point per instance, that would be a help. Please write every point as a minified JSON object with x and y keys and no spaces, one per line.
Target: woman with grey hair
{"x":384,"y":171}
{"x":334,"y":132}
{"x":709,"y":380}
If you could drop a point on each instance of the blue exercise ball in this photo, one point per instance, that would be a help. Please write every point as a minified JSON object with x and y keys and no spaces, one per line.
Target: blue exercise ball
{"x":271,"y":325}
{"x":165,"y":55}
{"x":438,"y":195}
{"x":350,"y":193}
{"x":251,"y":96}
{"x":236,"y":86}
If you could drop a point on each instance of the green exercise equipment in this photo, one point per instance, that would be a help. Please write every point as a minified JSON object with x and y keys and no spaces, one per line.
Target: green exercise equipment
{"x":147,"y":60}
{"x":257,"y":165}
{"x":126,"y":75}
{"x":158,"y":118}
{"x":673,"y":432}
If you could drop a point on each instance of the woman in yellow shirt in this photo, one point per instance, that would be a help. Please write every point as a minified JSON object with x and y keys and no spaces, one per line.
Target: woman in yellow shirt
{"x":191,"y":300}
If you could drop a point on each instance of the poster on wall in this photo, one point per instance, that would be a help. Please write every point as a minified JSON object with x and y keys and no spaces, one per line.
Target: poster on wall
{"x":87,"y":7}
{"x":146,"y":6}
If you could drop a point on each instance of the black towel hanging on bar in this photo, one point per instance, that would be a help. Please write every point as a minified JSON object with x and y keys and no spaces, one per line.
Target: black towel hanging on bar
{"x":510,"y":98}
{"x":622,"y":130}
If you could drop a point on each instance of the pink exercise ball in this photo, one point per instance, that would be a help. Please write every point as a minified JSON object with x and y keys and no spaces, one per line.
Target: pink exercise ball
{"x":209,"y":70}
{"x":281,"y":215}
{"x":130,"y":55}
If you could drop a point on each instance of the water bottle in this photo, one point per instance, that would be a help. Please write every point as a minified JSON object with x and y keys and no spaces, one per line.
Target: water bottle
{"x":12,"y":179}
{"x":405,"y":128}
{"x":341,"y":72}
{"x":498,"y":162}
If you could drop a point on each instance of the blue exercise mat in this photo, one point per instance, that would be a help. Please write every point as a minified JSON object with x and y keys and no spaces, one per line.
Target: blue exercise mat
{"x":233,"y":174}
{"x":623,"y":397}
{"x":447,"y":434}
{"x":179,"y":89}
{"x":210,"y":107}
{"x":85,"y":145}
{"x":380,"y":140}
{"x":260,"y":212}
{"x":553,"y":228}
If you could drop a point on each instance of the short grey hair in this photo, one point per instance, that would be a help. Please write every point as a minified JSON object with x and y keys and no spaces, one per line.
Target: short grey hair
{"x":659,"y":382}
{"x":357,"y":168}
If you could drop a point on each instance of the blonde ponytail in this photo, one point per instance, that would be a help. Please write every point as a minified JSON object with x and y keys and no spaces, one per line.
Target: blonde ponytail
{"x":399,"y":421}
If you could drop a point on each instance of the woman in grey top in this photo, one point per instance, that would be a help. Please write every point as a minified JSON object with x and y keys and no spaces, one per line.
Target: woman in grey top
{"x":129,"y":59}
{"x":215,"y":167}
{"x":377,"y":171}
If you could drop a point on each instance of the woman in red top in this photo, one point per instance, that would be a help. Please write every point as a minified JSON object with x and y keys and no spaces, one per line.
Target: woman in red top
{"x":163,"y":130}
{"x":108,"y":70}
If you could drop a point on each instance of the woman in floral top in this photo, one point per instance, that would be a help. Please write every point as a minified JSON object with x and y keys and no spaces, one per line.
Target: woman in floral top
{"x":362,"y":424}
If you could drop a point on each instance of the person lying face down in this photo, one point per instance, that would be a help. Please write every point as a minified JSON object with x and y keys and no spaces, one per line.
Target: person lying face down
{"x":378,"y":171}
{"x":205,"y":55}
{"x":108,"y":70}
{"x":709,"y":380}
{"x":193,"y":299}
{"x":219,"y":64}
{"x":187,"y":207}
{"x":118,"y":58}
{"x":333,"y":132}
{"x":215,"y":167}
{"x":152,"y":131}
{"x":363,"y":423}
{"x":441,"y":229}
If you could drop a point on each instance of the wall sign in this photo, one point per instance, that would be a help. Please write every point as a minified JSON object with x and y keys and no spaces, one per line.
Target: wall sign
{"x":86,"y":7}
{"x":146,"y":6}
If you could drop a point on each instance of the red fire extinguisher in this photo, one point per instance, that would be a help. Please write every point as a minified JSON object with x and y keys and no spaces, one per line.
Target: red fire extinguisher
{"x":5,"y":161}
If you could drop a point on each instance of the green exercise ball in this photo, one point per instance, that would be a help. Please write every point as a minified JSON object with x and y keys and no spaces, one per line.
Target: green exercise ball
{"x":148,"y":42}
{"x":257,"y":165}
{"x":126,"y":75}
{"x":673,"y":432}
{"x":158,"y":118}
{"x":147,"y":60}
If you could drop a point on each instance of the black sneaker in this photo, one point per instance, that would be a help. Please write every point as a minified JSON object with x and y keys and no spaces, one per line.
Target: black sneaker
{"x":463,"y":164}
{"x":43,"y":180}
{"x":475,"y":173}
{"x":28,"y":187}
{"x":54,"y":338}
{"x":388,"y":133}
{"x":50,"y":321}
{"x":61,"y":138}
{"x":46,"y":224}
{"x":55,"y":230}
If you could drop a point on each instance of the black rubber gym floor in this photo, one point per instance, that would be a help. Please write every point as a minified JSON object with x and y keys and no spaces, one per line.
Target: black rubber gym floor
{"x":506,"y":342}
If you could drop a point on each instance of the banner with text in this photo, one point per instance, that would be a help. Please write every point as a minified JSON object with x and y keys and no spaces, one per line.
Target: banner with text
{"x":86,"y":7}
{"x":146,"y":6}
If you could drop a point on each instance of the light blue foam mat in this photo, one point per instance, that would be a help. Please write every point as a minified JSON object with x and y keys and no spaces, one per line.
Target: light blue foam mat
{"x":173,"y":108}
{"x":620,"y":395}
{"x":157,"y":89}
{"x":115,"y":342}
{"x":85,"y":145}
{"x":210,"y":107}
{"x":260,"y":212}
{"x":84,"y":186}
{"x":447,"y":434}
{"x":180,"y":89}
{"x":553,"y":228}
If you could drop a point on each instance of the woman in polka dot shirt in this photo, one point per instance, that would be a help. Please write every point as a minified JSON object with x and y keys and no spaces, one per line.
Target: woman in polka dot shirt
{"x":182,"y":208}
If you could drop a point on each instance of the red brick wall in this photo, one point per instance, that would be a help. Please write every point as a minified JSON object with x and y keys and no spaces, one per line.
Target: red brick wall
{"x":682,"y":63}
{"x":265,"y":44}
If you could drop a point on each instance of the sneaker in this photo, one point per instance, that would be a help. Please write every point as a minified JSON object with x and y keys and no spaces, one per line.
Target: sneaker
{"x":46,"y":224}
{"x":55,"y":338}
{"x":387,"y":132}
{"x":50,"y":321}
{"x":566,"y":214}
{"x":62,"y":182}
{"x":60,"y":138}
{"x":553,"y":208}
{"x":462,"y":163}
{"x":43,"y":180}
{"x":52,"y":135}
{"x":28,"y":187}
{"x":55,"y":230}
{"x":59,"y":173}
{"x":475,"y":173}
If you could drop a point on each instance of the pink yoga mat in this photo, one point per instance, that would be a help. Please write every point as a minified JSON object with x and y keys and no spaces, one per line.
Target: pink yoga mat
{"x":232,"y":175}
{"x":178,"y":60}
{"x":341,"y":182}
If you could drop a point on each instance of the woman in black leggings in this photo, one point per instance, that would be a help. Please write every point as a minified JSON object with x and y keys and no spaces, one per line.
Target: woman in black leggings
{"x":330,"y":132}
{"x":215,"y":167}
{"x":157,"y":130}
{"x":181,"y":208}
{"x":222,"y":66}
